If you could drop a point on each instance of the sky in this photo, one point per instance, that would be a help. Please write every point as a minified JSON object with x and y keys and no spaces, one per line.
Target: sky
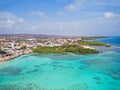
{"x":60,"y":17}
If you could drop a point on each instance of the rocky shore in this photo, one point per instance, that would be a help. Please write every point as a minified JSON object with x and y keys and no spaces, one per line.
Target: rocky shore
{"x":14,"y":55}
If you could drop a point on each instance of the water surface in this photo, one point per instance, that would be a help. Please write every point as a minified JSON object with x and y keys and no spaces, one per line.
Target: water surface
{"x":63,"y":71}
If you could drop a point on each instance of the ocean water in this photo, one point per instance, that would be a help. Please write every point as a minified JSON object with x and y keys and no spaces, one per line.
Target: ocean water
{"x":64,"y":71}
{"x":113,"y":40}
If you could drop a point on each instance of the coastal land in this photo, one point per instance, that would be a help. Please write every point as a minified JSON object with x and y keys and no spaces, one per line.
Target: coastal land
{"x":13,"y":46}
{"x":82,"y":47}
{"x":13,"y":55}
{"x":64,"y":49}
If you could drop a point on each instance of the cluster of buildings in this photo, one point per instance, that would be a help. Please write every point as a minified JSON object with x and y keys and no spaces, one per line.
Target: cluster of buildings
{"x":58,"y":41}
{"x":16,"y":46}
{"x":22,"y":43}
{"x":13,"y":47}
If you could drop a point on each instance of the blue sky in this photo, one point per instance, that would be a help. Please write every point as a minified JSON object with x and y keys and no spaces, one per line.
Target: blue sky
{"x":60,"y":17}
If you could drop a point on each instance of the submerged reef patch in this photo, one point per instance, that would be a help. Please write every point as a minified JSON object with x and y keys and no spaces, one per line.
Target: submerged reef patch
{"x":11,"y":70}
{"x":79,"y":86}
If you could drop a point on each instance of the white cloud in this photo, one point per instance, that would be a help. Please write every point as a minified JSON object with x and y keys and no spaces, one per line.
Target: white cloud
{"x":37,"y":27}
{"x":109,"y":15}
{"x":61,"y":27}
{"x":21,"y":20}
{"x":42,"y":14}
{"x":6,"y":23}
{"x":90,"y":4}
{"x":83,"y":27}
{"x":9,"y":21}
{"x":60,"y":13}
{"x":92,"y":26}
{"x":70,"y":7}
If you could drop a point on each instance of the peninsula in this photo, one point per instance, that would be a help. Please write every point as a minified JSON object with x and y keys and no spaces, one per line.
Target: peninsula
{"x":67,"y":48}
{"x":12,"y":46}
{"x":80,"y":47}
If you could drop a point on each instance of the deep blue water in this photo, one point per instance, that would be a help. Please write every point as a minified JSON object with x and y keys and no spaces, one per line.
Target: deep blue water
{"x":64,"y":72}
{"x":114,"y":40}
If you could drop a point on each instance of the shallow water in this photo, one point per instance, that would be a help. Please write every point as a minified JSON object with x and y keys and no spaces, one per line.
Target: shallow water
{"x":62,"y":72}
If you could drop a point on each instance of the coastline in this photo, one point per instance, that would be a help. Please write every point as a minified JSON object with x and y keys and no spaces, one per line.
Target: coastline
{"x":14,"y":55}
{"x":17,"y":54}
{"x":102,"y":69}
{"x":82,"y":47}
{"x":77,"y":49}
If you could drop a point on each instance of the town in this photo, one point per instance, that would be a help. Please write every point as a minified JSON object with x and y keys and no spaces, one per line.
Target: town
{"x":17,"y":45}
{"x":14,"y":46}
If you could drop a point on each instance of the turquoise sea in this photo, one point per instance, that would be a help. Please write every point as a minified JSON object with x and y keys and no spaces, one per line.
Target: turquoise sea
{"x":64,"y":71}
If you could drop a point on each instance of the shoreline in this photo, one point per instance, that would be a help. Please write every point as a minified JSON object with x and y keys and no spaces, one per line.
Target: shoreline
{"x":15,"y":55}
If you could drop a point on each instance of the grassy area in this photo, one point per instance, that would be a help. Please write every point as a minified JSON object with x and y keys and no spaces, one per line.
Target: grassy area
{"x":62,"y":49}
{"x":90,"y":43}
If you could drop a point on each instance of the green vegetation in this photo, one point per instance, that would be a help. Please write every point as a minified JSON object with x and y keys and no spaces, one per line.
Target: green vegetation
{"x":62,"y":49}
{"x":92,"y":38}
{"x":49,"y":50}
{"x":90,"y":43}
{"x":78,"y":49}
